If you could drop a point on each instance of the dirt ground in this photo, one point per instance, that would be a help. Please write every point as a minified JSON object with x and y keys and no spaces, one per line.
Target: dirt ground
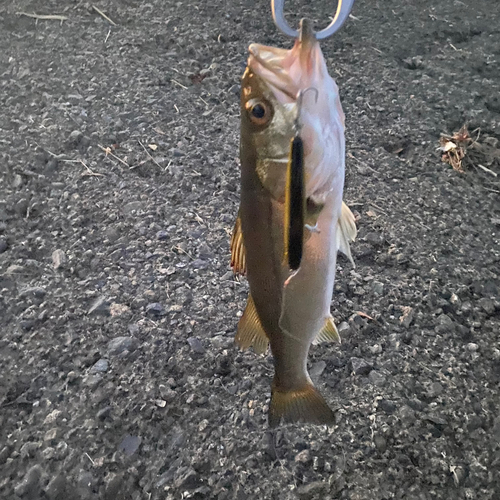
{"x":119,"y":185}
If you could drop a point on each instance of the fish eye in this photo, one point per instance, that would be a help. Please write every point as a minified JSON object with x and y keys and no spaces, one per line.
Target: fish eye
{"x":259,"y":111}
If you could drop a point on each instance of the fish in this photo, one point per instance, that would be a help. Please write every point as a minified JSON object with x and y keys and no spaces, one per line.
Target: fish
{"x":284,"y":94}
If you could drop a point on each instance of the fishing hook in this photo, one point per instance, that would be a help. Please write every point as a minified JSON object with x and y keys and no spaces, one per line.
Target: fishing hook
{"x":343,"y":10}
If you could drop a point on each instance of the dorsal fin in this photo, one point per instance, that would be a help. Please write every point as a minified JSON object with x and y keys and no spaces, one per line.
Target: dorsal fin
{"x":250,"y":332}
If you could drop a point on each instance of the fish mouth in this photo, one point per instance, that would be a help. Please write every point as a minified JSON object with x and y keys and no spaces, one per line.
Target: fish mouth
{"x":286,"y":72}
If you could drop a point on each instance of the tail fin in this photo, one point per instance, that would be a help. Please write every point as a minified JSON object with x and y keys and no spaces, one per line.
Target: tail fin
{"x":303,"y":405}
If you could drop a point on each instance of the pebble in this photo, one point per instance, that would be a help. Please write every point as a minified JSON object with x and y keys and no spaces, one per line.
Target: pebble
{"x":155,"y":309}
{"x":196,"y":345}
{"x":360,"y":366}
{"x":100,"y":307}
{"x":30,"y":485}
{"x":317,"y":369}
{"x":487,"y":305}
{"x":378,"y":288}
{"x":57,"y":488}
{"x":162,"y":235}
{"x":100,"y":366}
{"x":121,"y":344}
{"x":188,"y":479}
{"x":34,"y":291}
{"x":75,"y":137}
{"x":387,"y":406}
{"x":376,"y":378}
{"x":59,"y":259}
{"x":200,"y":264}
{"x":380,"y":442}
{"x":129,"y":444}
{"x":312,"y":490}
{"x":3,"y":245}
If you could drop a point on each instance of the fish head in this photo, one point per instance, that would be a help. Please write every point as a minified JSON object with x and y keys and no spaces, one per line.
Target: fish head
{"x":276,"y":104}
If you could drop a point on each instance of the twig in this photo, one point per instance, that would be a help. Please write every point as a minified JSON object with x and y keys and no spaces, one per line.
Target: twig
{"x":47,"y":17}
{"x":377,"y":207}
{"x":89,"y":171}
{"x":180,"y":84}
{"x":147,"y":152}
{"x":107,"y":36}
{"x":487,"y":170}
{"x":99,"y":11}
{"x":108,"y":152}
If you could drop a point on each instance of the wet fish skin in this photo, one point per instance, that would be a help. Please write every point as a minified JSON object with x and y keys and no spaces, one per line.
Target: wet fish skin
{"x":290,"y":310}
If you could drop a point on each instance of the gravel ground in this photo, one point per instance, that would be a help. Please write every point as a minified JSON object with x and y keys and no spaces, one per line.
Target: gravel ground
{"x":119,"y":185}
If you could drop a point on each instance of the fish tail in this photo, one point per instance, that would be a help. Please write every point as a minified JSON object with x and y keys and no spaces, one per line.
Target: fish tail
{"x":304,"y":404}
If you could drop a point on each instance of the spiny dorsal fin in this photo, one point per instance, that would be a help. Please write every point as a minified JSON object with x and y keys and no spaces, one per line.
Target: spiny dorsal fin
{"x":304,"y":404}
{"x":250,"y":331}
{"x":328,"y":333}
{"x":238,"y":257}
{"x":346,"y":232}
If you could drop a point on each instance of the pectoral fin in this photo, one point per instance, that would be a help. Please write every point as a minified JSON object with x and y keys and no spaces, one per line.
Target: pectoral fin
{"x":328,"y":333}
{"x":238,"y":256}
{"x":346,"y":232}
{"x":250,"y":332}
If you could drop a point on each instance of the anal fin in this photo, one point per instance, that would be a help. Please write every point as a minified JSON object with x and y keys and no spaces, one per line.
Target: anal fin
{"x":250,"y":332}
{"x":305,"y":404}
{"x":328,"y":333}
{"x":238,"y":255}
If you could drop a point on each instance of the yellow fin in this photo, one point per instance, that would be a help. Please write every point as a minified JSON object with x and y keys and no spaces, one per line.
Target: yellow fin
{"x":346,"y":232}
{"x":250,"y":331}
{"x":238,"y":256}
{"x":303,"y":405}
{"x":328,"y":333}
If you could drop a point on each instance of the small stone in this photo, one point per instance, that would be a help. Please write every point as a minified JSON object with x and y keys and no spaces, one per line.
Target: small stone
{"x":435,"y":389}
{"x":187,"y":480}
{"x":130,"y":444}
{"x":75,"y":138}
{"x":472,"y":347}
{"x":177,"y":152}
{"x":374,"y":239}
{"x":92,"y":381}
{"x":57,"y":488}
{"x":312,"y":490}
{"x":30,"y":485}
{"x":317,"y":369}
{"x":59,"y":259}
{"x":162,"y":235}
{"x":376,"y":378}
{"x":155,"y":309}
{"x":387,"y":406}
{"x":407,"y":415}
{"x":3,"y":245}
{"x":100,"y":366}
{"x":104,"y":413}
{"x":380,"y":442}
{"x":487,"y":305}
{"x":133,"y":206}
{"x":196,"y":345}
{"x":52,"y":417}
{"x":303,"y":457}
{"x":121,"y":344}
{"x":51,"y":434}
{"x":34,"y":291}
{"x":28,"y":449}
{"x":360,"y":366}
{"x":378,"y":288}
{"x":72,"y":377}
{"x":199,"y":264}
{"x":100,"y":307}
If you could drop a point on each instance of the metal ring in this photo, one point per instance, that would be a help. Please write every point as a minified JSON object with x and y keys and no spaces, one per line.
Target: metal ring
{"x":344,"y":8}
